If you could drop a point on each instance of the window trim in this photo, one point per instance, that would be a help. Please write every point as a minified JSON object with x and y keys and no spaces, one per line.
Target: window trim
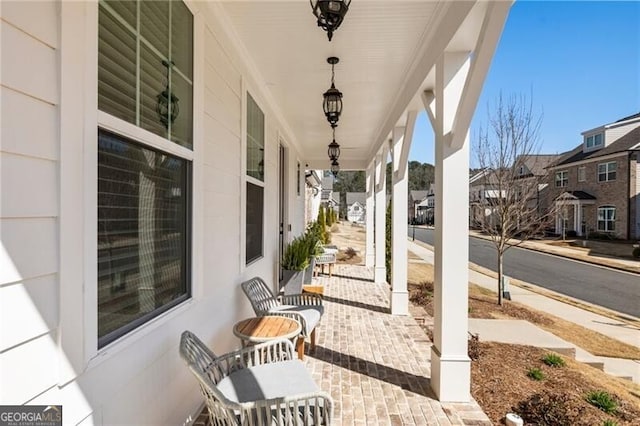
{"x":592,"y":137}
{"x":79,"y":121}
{"x":607,"y":172}
{"x":123,"y":331}
{"x":582,"y":169}
{"x":245,"y":178}
{"x":607,"y":207}
{"x":565,"y":179}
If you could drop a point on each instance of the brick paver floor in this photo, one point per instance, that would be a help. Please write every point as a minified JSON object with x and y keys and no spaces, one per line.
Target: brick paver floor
{"x":376,"y":366}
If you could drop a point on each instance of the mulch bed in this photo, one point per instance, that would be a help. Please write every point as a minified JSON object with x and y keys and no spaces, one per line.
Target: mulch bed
{"x":499,"y":375}
{"x":500,"y":385}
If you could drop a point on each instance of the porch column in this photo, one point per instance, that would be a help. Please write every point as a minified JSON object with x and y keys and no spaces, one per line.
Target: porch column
{"x":450,"y":363}
{"x":401,"y":140}
{"x":369,"y":247}
{"x":380,"y":273}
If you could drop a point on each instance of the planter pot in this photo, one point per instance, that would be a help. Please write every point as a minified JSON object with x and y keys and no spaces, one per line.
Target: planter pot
{"x":308,"y":272}
{"x":292,"y":282}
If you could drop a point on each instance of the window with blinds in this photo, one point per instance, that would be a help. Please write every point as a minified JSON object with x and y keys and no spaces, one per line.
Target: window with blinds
{"x":145,"y":66}
{"x":145,"y":77}
{"x":255,"y":181}
{"x":143,"y":234}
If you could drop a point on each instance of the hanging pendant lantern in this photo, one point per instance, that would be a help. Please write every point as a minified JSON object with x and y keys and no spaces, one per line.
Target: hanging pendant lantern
{"x":330,"y":13}
{"x":332,"y":104}
{"x":335,"y":168}
{"x":334,"y":149}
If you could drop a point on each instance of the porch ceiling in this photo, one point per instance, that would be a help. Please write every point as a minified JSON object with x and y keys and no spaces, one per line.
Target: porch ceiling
{"x":386,"y":50}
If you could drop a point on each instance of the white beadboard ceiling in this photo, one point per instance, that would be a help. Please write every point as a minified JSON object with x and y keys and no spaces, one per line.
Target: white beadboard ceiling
{"x":377,"y":44}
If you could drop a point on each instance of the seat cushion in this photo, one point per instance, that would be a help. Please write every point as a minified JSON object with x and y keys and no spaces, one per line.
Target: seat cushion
{"x":311,"y":314}
{"x":275,"y":380}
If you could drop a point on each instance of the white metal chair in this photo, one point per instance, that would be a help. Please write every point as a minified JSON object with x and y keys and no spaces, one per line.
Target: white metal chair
{"x":258,"y":385}
{"x":306,"y":308}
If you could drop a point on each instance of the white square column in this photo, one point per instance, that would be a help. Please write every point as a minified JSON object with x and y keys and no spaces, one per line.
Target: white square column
{"x":380,"y":272}
{"x":450,"y":363}
{"x":370,"y":207}
{"x":399,"y":200}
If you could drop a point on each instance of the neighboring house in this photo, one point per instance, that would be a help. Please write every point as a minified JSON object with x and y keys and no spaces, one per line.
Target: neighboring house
{"x":596,"y":186}
{"x":415,"y":198}
{"x":482,"y":193}
{"x":356,"y":207}
{"x":424,"y":213}
{"x":528,"y":177}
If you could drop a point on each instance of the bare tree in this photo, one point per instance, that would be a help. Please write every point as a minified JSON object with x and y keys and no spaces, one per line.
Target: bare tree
{"x":511,"y":205}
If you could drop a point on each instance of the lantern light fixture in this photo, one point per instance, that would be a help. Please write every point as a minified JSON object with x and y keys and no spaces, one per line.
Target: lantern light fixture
{"x":334,"y":148}
{"x":167,"y":105}
{"x":332,"y":104}
{"x":329,"y":13}
{"x":335,"y":168}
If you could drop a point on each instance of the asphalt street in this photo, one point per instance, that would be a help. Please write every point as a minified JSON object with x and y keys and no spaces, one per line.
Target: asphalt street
{"x":605,"y":287}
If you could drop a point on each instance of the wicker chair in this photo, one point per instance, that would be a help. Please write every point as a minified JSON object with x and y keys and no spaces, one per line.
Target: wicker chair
{"x":258,"y":385}
{"x":305,"y":308}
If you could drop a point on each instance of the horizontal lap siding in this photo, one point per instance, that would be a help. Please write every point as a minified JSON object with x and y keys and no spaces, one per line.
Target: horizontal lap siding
{"x":29,"y":154}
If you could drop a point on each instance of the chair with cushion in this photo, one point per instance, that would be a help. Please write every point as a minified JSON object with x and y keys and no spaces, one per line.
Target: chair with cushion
{"x":306,"y":308}
{"x":258,"y":385}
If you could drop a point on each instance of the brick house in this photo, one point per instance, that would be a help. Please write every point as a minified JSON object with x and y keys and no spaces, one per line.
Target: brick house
{"x":596,"y":186}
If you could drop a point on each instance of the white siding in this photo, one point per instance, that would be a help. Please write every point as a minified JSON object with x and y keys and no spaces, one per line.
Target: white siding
{"x":140,"y":379}
{"x":28,"y":200}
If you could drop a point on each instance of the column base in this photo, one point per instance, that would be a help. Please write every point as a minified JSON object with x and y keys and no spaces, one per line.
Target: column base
{"x":380,"y":275}
{"x":450,"y":377}
{"x":400,"y":303}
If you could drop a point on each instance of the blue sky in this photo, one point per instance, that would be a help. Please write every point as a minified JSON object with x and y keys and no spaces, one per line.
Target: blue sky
{"x":578,"y":61}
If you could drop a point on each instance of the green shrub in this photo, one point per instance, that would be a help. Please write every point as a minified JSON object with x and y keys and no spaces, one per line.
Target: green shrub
{"x":296,"y":255}
{"x":553,"y":360}
{"x":535,"y":374}
{"x":602,"y":400}
{"x":609,"y":423}
{"x":636,"y":252}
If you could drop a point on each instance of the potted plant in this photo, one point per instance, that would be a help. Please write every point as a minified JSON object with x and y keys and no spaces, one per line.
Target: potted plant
{"x":294,"y":262}
{"x":314,"y":245}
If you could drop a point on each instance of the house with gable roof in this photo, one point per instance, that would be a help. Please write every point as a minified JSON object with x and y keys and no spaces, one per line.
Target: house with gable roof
{"x":596,"y":186}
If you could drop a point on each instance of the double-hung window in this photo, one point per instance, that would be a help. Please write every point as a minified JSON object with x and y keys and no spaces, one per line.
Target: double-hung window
{"x":254,"y":182}
{"x":145,"y":79}
{"x":562,"y":179}
{"x":607,"y":171}
{"x":607,"y":218}
{"x":594,"y":140}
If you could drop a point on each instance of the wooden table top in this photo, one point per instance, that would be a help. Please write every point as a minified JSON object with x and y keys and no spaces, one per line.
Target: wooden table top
{"x":262,"y":329}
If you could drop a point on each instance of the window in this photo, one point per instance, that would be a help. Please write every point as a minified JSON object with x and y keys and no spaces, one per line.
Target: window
{"x":145,"y":69}
{"x":562,"y":179}
{"x":606,"y":218}
{"x":143,"y":234}
{"x":607,"y":171}
{"x":593,"y":140}
{"x":255,"y":181}
{"x":356,"y":208}
{"x":582,"y":174}
{"x":145,"y":66}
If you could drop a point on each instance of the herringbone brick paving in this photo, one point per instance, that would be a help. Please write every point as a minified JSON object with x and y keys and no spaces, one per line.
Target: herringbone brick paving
{"x":376,"y":366}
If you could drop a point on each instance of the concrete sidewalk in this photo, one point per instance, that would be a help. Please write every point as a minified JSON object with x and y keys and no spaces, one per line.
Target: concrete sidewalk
{"x":615,"y":329}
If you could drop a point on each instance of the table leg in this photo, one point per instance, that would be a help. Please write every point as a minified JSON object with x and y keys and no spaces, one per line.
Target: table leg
{"x":300,"y":347}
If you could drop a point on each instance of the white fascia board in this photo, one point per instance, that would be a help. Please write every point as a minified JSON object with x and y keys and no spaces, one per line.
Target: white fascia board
{"x":589,"y":161}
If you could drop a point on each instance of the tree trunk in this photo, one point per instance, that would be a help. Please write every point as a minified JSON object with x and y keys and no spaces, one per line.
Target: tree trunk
{"x":500,"y":278}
